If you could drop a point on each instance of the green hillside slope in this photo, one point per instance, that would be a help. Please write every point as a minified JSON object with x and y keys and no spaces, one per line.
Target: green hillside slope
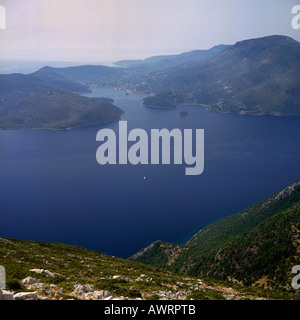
{"x":212,"y":251}
{"x":58,"y":272}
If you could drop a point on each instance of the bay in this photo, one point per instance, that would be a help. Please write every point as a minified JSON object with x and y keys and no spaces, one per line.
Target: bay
{"x":53,"y":189}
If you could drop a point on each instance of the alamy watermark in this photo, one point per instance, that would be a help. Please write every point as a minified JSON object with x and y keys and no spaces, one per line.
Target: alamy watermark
{"x":138,"y":152}
{"x":295,"y":281}
{"x":296,"y":19}
{"x":2,"y":278}
{"x":2,"y":18}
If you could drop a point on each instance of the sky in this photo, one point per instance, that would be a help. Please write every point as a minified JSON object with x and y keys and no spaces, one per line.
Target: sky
{"x":111,"y":30}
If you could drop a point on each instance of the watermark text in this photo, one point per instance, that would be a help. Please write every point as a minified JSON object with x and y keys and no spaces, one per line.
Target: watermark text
{"x":2,"y":277}
{"x":134,"y":147}
{"x":296,"y":280}
{"x":296,"y":18}
{"x":2,"y":18}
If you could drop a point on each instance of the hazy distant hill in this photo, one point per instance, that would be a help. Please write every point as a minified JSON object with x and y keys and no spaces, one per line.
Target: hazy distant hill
{"x":257,"y":76}
{"x":39,"y":80}
{"x":169,"y":61}
{"x":89,"y":74}
{"x":259,"y":245}
{"x":134,"y":69}
{"x":16,"y":86}
{"x":58,"y":110}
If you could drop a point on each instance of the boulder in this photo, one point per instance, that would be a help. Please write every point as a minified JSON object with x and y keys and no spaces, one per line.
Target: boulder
{"x":26,"y":296}
{"x":106,"y":294}
{"x":181,"y":293}
{"x":89,"y":296}
{"x":89,"y":288}
{"x":48,"y":273}
{"x":80,"y":289}
{"x":139,"y":279}
{"x":98,"y":294}
{"x":29,"y":280}
{"x":45,"y":272}
{"x":40,"y":271}
{"x":162,"y":293}
{"x":5,"y":295}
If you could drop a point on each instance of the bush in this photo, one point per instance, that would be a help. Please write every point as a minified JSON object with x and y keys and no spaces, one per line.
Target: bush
{"x":197,"y":296}
{"x":203,"y":295}
{"x":14,"y":284}
{"x":117,"y":286}
{"x":57,"y":279}
{"x":153,"y":297}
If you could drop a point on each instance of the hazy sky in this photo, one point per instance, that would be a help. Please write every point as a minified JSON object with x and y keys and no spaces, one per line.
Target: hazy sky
{"x":109,"y":30}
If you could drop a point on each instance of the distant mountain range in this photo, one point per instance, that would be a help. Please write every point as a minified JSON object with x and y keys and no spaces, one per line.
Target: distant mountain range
{"x":163,"y":62}
{"x":255,"y":247}
{"x":88,"y":74}
{"x":257,"y":76}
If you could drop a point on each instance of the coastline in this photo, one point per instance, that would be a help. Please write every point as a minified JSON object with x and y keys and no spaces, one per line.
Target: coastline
{"x":62,"y":129}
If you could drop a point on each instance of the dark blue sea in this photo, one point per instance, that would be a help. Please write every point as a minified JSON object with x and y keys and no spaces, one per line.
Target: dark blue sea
{"x":53,"y":189}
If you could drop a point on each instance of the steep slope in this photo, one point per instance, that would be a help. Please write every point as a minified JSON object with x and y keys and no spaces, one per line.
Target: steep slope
{"x":265,"y":255}
{"x":247,"y":219}
{"x":58,"y":110}
{"x":219,"y":250}
{"x":257,"y":76}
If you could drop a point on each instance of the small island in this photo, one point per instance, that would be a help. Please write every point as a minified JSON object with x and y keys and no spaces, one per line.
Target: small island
{"x":183,"y":114}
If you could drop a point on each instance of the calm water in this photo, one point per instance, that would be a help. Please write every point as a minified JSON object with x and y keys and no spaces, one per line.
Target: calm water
{"x":52,"y":188}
